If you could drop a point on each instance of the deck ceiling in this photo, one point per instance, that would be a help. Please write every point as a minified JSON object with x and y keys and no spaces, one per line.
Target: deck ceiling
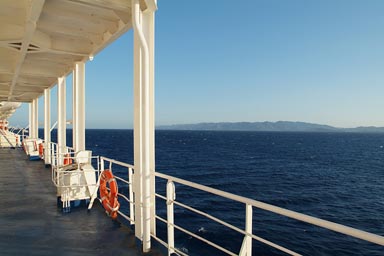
{"x":42,"y":40}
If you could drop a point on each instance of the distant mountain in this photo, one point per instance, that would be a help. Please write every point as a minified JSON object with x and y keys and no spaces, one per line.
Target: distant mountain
{"x":280,"y":126}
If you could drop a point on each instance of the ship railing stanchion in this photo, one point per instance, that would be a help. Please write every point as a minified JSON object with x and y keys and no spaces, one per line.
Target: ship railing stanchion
{"x":171,"y":197}
{"x":131,"y":196}
{"x":246,"y":247}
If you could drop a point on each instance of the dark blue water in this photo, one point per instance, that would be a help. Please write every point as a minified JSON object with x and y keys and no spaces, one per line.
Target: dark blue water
{"x":333,"y":176}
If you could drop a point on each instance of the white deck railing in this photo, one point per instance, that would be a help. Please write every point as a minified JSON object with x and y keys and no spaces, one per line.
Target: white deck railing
{"x":249,"y":205}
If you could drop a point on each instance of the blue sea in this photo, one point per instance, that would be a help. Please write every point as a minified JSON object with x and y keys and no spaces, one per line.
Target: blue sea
{"x":334,"y":176}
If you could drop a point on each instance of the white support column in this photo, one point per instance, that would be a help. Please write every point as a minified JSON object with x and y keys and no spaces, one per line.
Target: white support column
{"x":61,"y":118}
{"x":80,"y":105}
{"x":33,"y":119}
{"x":74,"y":127}
{"x":30,"y":128}
{"x":149,"y":32}
{"x":144,"y":150}
{"x":137,"y":133}
{"x":36,"y":118}
{"x":47,"y":125}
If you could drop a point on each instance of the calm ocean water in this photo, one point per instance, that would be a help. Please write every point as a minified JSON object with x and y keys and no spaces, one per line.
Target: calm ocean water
{"x":334,"y":176}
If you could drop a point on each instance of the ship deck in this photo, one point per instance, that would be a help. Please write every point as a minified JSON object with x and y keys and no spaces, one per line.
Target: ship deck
{"x":31,"y":223}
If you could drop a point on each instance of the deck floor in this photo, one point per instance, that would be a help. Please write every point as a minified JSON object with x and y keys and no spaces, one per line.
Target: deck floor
{"x":31,"y":223}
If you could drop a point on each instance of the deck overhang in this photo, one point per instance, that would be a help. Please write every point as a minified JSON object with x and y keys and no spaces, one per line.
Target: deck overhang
{"x":41,"y":40}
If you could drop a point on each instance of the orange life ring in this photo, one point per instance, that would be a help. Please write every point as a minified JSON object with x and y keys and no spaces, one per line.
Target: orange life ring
{"x":109,"y":198}
{"x":67,"y":159}
{"x":41,"y":150}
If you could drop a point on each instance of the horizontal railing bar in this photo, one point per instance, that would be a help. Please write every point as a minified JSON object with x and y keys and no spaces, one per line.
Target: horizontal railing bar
{"x":125,"y":216}
{"x":281,"y":211}
{"x":167,"y":246}
{"x":119,"y":212}
{"x":75,"y":172}
{"x":260,"y":239}
{"x":117,"y":162}
{"x":198,"y":237}
{"x":211,"y":217}
{"x":126,"y":198}
{"x":160,"y":196}
{"x":121,"y":179}
{"x":237,"y":229}
{"x":75,"y":186}
{"x":276,"y":246}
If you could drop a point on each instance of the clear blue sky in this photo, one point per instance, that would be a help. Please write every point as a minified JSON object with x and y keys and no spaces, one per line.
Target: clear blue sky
{"x":313,"y":61}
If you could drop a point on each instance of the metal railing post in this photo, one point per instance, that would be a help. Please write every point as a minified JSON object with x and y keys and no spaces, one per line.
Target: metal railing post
{"x":131,"y":198}
{"x":102,"y":164}
{"x":246,"y":247}
{"x":248,"y":228}
{"x":171,"y":196}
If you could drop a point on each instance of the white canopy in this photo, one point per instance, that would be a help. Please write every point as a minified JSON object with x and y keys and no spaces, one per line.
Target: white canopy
{"x":41,"y":40}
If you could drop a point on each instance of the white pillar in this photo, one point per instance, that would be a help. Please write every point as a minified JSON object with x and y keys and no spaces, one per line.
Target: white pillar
{"x":33,"y":119}
{"x":144,"y":150}
{"x":47,"y":126}
{"x":74,"y":128}
{"x":80,"y":105}
{"x":149,"y":32}
{"x":30,"y":125}
{"x":137,"y":133}
{"x":36,"y":117}
{"x":61,"y":119}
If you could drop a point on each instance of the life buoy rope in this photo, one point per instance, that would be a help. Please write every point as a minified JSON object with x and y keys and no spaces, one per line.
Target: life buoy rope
{"x":109,"y":197}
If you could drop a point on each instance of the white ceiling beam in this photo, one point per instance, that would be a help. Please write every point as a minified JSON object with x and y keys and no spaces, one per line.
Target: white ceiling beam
{"x":55,"y":59}
{"x":39,"y":75}
{"x":109,"y":38}
{"x":11,"y":32}
{"x":41,"y":39}
{"x":67,"y":51}
{"x":64,"y":31}
{"x":4,"y":70}
{"x":123,"y":16}
{"x":50,"y":71}
{"x":29,"y":90}
{"x":79,"y":9}
{"x":34,"y":80}
{"x":44,"y":65}
{"x":36,"y":6}
{"x":120,"y":5}
{"x":29,"y":85}
{"x":51,"y":23}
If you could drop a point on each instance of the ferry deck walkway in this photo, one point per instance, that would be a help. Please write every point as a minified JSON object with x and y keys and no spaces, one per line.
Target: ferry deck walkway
{"x":31,"y":223}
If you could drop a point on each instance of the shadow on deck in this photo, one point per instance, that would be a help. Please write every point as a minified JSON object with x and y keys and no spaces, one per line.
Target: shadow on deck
{"x":31,"y":223}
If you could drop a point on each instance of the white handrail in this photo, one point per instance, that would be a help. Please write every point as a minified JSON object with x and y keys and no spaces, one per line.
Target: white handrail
{"x":373,"y":238}
{"x":117,"y":162}
{"x":246,"y":201}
